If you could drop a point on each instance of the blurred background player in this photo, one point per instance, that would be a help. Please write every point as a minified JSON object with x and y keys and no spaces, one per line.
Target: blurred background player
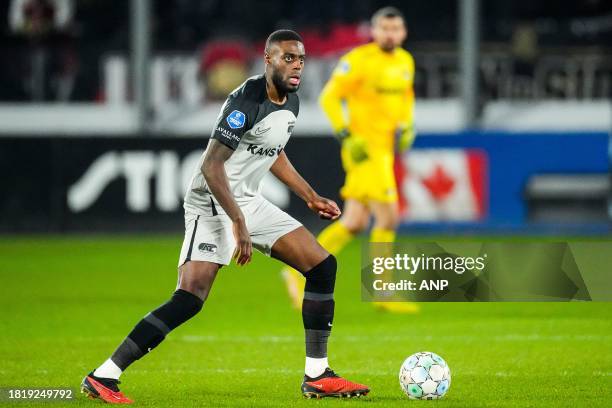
{"x":369,"y":101}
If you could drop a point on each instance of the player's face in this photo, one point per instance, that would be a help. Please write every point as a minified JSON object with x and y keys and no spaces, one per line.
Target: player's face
{"x":286,"y":60}
{"x":389,"y":32}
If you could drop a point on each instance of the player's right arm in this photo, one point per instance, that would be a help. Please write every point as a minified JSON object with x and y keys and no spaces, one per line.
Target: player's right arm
{"x":236,"y":116}
{"x":213,"y":169}
{"x":345,"y":79}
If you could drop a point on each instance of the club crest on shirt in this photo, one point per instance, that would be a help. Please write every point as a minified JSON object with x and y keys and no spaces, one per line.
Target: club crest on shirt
{"x":343,"y":67}
{"x":290,"y":127}
{"x":236,"y":119}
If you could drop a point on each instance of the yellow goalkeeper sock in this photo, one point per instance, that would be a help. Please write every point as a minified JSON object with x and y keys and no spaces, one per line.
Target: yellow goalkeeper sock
{"x":382,"y":235}
{"x":385,"y":235}
{"x":335,"y":237}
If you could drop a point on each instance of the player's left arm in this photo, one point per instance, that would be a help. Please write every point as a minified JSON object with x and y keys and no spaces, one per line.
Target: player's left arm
{"x":285,"y":172}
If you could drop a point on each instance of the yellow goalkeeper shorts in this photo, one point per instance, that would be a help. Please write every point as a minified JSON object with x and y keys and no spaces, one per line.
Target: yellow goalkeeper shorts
{"x":370,"y":180}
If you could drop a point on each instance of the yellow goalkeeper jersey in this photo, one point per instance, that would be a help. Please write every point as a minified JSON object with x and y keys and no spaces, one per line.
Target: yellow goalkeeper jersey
{"x":370,"y":92}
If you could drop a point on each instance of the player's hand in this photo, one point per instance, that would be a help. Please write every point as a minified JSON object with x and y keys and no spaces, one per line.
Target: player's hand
{"x":354,"y":145}
{"x":356,"y":148}
{"x":244,"y":246}
{"x":326,"y":208}
{"x":404,"y":138}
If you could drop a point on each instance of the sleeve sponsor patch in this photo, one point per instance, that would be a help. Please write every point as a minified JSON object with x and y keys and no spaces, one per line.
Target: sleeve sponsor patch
{"x":343,"y":67}
{"x":236,"y":119}
{"x":221,"y":131}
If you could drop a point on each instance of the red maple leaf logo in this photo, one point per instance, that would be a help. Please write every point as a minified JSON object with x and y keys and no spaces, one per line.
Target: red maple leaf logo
{"x":439,"y":183}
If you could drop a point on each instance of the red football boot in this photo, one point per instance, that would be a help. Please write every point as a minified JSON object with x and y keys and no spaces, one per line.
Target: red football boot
{"x":103,"y":388}
{"x":329,"y":384}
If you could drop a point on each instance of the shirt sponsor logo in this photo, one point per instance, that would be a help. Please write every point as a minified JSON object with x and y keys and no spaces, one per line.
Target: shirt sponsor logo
{"x":390,"y":91}
{"x":210,"y":248}
{"x":264,"y":151}
{"x":227,"y":134}
{"x":236,"y":119}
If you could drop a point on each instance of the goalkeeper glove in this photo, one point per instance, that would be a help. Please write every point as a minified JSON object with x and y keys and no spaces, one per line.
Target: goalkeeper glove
{"x":404,"y":138}
{"x":355,"y":146}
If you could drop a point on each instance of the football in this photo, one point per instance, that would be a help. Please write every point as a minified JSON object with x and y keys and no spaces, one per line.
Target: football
{"x":425,"y":375}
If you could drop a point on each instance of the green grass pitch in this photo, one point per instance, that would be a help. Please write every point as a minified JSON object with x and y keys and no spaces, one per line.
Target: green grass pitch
{"x":67,"y":302}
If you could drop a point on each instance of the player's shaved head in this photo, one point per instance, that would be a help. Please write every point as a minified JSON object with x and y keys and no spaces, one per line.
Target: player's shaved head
{"x":388,"y":28}
{"x":282,"y":35}
{"x":386,"y":12}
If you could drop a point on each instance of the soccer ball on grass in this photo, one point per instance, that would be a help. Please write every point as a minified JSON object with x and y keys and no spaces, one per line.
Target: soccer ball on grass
{"x":425,"y":375}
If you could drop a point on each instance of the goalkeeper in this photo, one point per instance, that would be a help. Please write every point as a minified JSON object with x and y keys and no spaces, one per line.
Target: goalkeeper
{"x":369,"y":101}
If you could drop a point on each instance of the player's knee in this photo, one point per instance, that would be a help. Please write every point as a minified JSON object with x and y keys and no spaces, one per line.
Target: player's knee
{"x":392,"y":223}
{"x":356,"y":225}
{"x":189,"y":302}
{"x":388,"y":221}
{"x":196,"y":281}
{"x":321,"y":279}
{"x":199,"y":289}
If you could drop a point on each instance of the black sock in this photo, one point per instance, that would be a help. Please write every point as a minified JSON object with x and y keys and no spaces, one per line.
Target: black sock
{"x":154,"y":327}
{"x":318,"y":306}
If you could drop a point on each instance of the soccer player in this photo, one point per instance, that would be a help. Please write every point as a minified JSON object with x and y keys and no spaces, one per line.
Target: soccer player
{"x":225,"y":216}
{"x":369,"y":101}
